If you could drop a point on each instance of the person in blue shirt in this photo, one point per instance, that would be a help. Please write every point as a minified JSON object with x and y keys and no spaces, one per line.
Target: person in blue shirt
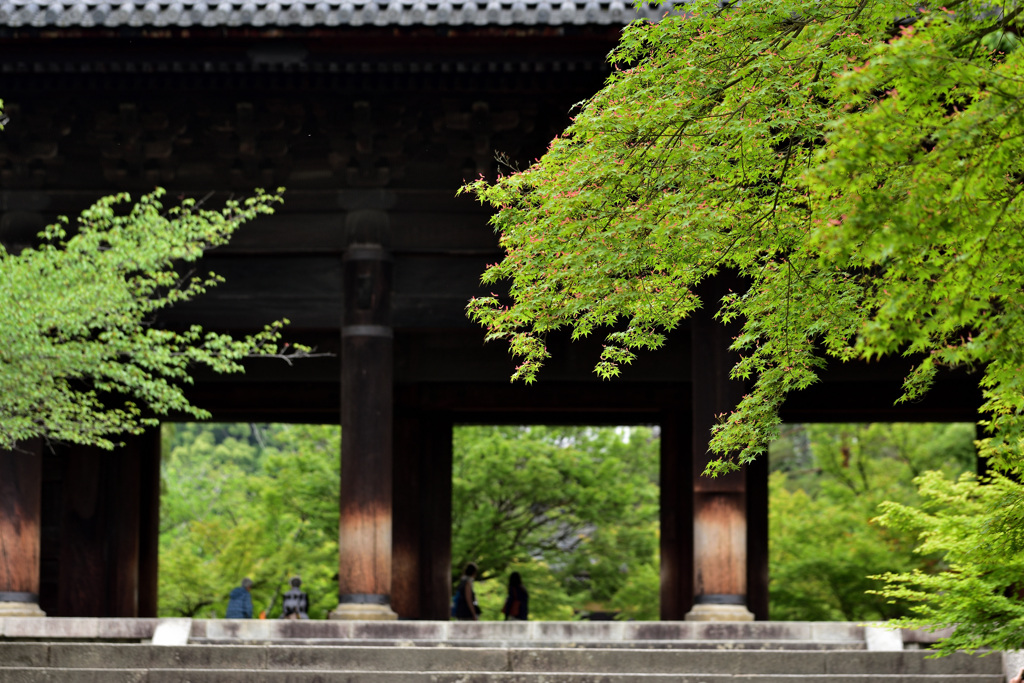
{"x":240,"y":602}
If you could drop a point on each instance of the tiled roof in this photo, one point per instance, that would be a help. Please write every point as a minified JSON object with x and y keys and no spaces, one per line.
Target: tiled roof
{"x":316,"y":13}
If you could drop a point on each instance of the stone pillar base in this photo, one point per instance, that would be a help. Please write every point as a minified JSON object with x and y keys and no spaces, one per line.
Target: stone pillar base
{"x":354,"y":611}
{"x":719,"y":613}
{"x":20,"y":609}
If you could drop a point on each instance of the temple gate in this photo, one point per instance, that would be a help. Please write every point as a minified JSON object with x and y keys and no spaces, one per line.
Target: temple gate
{"x":372,"y":115}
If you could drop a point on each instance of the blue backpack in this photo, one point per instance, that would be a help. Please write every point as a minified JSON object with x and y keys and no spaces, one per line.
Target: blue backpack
{"x":456,"y":597}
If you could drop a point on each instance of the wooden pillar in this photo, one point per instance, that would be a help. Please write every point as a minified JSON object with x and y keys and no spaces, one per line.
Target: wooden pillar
{"x":100,"y":533}
{"x":757,"y":538}
{"x":147,"y":449}
{"x":676,"y":507}
{"x":52,"y":516}
{"x":21,"y":479}
{"x":364,"y":535}
{"x":720,"y":529}
{"x":980,"y":464}
{"x":123,"y":530}
{"x":422,"y":532}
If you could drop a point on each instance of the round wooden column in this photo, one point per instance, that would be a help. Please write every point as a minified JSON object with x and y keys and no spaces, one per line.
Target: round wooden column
{"x":364,"y":535}
{"x":21,"y":478}
{"x":720,"y":543}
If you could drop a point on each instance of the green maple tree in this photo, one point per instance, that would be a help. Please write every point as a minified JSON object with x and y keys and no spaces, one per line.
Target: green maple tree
{"x":857,"y":164}
{"x":81,"y":359}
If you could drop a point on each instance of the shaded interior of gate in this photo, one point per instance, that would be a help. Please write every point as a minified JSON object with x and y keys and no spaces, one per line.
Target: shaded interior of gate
{"x":372,"y":257}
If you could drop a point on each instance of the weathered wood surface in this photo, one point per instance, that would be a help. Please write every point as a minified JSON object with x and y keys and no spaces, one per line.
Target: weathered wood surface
{"x":366,"y":428}
{"x":20,"y":507}
{"x":102,"y":524}
{"x":720,"y":505}
{"x":430,"y":291}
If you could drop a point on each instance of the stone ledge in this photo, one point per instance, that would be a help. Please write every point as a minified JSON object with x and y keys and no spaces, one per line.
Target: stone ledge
{"x":23,"y":675}
{"x":293,"y":659}
{"x":257,"y":630}
{"x":76,"y":628}
{"x":734,"y":645}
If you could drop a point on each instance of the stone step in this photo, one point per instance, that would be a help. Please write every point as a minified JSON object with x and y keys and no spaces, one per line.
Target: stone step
{"x":527,"y":631}
{"x":59,"y":675}
{"x":549,"y":633}
{"x":483,"y":659}
{"x":632,"y":644}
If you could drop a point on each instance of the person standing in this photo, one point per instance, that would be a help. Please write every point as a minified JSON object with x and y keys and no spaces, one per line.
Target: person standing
{"x":517,"y":604}
{"x":296,"y":603}
{"x":240,"y":601}
{"x":466,"y":608}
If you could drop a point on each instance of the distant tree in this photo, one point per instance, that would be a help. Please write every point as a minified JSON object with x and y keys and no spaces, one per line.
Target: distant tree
{"x":248,"y":500}
{"x":574,"y":510}
{"x":826,"y":485}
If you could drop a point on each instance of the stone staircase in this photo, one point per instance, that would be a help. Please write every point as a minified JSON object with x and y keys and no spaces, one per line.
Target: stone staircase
{"x":458,"y":652}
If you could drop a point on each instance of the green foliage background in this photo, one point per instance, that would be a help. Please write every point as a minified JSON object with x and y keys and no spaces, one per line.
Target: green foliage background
{"x":573,"y":509}
{"x":248,"y":500}
{"x":826,"y":485}
{"x":977,"y":527}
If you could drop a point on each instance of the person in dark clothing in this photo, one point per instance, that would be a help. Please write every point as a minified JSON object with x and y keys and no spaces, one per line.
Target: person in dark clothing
{"x":517,"y":604}
{"x":466,"y":608}
{"x":240,"y":602}
{"x":296,"y":603}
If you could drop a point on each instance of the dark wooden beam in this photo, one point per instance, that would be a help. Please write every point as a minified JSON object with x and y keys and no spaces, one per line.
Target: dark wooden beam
{"x":413,"y":230}
{"x":232,"y":45}
{"x":955,"y":397}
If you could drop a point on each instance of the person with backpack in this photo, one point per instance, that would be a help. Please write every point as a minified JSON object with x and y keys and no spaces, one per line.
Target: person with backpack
{"x":240,"y":602}
{"x":464,"y":607}
{"x":296,"y":603}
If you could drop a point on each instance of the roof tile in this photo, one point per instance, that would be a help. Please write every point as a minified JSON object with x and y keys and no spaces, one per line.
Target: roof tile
{"x":308,"y":13}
